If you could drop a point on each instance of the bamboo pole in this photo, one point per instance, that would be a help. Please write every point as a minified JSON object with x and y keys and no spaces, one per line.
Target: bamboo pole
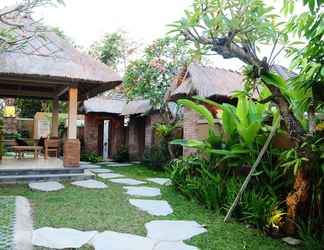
{"x":255,"y":165}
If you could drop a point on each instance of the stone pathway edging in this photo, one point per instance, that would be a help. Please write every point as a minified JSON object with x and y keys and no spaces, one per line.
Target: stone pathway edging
{"x":23,"y":230}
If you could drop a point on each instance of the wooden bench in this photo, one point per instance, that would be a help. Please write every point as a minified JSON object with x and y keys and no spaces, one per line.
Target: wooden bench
{"x":20,"y":150}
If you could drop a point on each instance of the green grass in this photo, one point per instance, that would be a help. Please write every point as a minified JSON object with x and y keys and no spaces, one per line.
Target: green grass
{"x":7,"y":216}
{"x":109,"y":210}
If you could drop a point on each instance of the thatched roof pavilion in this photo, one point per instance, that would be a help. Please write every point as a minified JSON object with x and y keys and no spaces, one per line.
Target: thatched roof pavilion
{"x":209,"y":82}
{"x":47,"y":64}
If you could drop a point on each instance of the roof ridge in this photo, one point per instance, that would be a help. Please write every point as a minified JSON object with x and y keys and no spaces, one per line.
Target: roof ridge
{"x":216,"y":68}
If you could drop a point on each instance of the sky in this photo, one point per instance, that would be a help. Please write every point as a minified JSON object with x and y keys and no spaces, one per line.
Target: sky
{"x":86,"y":21}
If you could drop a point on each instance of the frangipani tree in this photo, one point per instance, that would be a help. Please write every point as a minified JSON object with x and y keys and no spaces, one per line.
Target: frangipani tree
{"x":236,"y":29}
{"x":9,"y":25}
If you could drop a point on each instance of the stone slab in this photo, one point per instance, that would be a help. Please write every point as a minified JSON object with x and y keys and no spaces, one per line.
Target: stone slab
{"x":173,"y":230}
{"x":23,"y":232}
{"x":118,"y":241}
{"x":92,"y":184}
{"x":89,"y":166}
{"x":110,"y":176}
{"x":143,"y":191}
{"x":127,"y":181}
{"x":49,"y":186}
{"x":160,"y":181}
{"x":174,"y":246}
{"x":101,"y":171}
{"x":292,"y":241}
{"x":61,"y":238}
{"x":116,"y":164}
{"x":153,"y":207}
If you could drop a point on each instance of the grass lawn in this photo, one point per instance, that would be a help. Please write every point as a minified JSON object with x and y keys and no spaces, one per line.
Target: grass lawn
{"x":109,"y":210}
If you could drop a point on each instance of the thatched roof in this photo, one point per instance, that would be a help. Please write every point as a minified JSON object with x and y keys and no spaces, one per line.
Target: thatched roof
{"x":137,"y":107}
{"x":113,"y":103}
{"x":47,"y":63}
{"x":206,"y":81}
{"x":103,"y":105}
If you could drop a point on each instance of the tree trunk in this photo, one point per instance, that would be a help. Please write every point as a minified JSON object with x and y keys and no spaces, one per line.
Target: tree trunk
{"x":298,"y":200}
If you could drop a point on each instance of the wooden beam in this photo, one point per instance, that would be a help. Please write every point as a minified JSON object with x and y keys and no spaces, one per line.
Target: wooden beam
{"x":61,"y":91}
{"x":25,"y":93}
{"x":73,"y":113}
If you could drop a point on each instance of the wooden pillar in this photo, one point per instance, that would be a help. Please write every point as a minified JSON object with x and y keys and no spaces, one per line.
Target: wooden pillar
{"x":72,"y":144}
{"x":55,"y":118}
{"x":73,"y":113}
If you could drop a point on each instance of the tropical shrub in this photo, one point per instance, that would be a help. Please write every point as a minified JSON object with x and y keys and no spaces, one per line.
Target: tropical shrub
{"x":122,"y":155}
{"x":215,"y":173}
{"x":156,"y":157}
{"x":91,"y":157}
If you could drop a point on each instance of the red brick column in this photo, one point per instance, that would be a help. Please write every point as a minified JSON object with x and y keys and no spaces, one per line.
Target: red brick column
{"x":72,"y":153}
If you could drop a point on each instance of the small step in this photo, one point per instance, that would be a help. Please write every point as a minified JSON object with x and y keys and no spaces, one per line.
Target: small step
{"x":35,"y":171}
{"x":13,"y":179}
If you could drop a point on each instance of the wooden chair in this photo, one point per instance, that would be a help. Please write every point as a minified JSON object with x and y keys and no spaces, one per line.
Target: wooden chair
{"x":52,"y":145}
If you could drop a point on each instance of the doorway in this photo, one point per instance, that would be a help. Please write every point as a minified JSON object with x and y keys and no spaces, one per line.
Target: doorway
{"x":105,"y":144}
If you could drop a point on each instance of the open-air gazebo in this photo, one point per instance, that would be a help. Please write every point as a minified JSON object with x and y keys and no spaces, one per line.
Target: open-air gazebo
{"x":48,"y":67}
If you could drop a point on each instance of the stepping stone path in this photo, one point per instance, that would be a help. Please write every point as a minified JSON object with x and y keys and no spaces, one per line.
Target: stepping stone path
{"x":49,"y":186}
{"x":143,"y":191}
{"x":61,"y":238}
{"x":118,"y":241}
{"x":167,"y":230}
{"x":92,"y":184}
{"x":161,"y":235}
{"x":127,"y":181}
{"x":110,"y":176}
{"x":153,"y":207}
{"x":101,"y":171}
{"x":155,"y":240}
{"x":161,"y":181}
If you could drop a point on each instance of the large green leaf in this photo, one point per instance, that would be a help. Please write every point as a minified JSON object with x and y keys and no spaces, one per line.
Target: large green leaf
{"x":275,"y":80}
{"x":203,"y":111}
{"x":249,"y":133}
{"x":189,"y":143}
{"x":229,"y":119}
{"x":242,"y":111}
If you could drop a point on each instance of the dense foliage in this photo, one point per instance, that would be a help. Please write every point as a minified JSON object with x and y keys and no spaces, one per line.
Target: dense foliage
{"x":215,"y":173}
{"x":236,"y":29}
{"x":114,"y":49}
{"x":150,"y":77}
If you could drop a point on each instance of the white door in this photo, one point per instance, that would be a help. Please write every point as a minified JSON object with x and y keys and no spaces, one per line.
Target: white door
{"x":106,"y":140}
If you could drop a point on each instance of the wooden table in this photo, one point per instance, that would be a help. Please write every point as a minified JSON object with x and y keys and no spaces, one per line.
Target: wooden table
{"x":20,"y":150}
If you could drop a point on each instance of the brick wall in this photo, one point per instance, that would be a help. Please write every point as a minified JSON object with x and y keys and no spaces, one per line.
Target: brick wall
{"x":133,"y":140}
{"x":93,"y":136}
{"x":150,"y":137}
{"x":91,"y":124}
{"x":190,"y":128}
